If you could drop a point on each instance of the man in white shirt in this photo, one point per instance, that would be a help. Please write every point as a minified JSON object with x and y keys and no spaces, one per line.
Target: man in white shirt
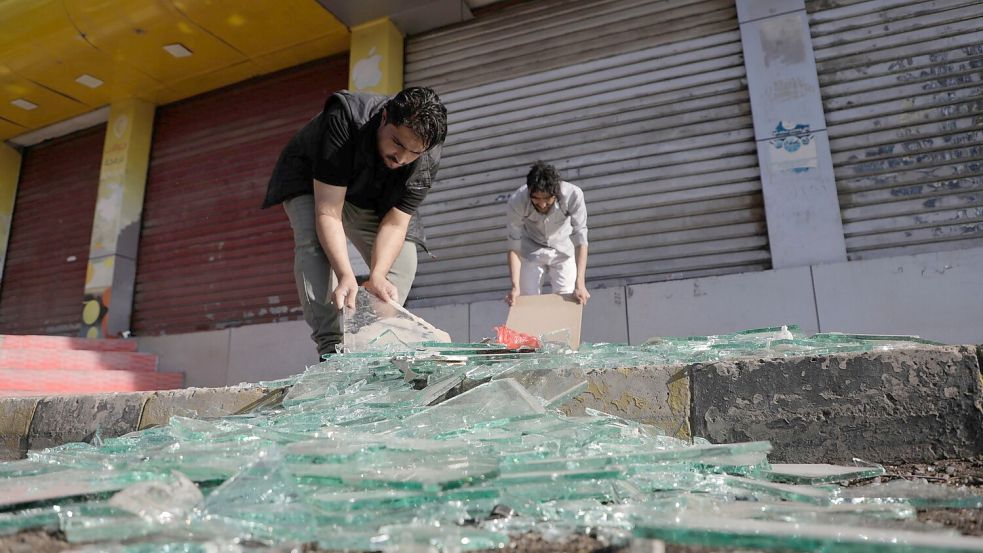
{"x":547,"y":229}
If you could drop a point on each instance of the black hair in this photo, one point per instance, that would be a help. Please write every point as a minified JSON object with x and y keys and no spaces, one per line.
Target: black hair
{"x":542,"y":177}
{"x":419,"y":109}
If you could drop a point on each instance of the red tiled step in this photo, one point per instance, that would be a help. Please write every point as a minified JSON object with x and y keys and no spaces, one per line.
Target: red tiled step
{"x":15,"y":341}
{"x":67,"y":381}
{"x":76,"y":360}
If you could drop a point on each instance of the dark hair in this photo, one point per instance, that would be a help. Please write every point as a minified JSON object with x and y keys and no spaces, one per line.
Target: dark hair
{"x":543,"y":177}
{"x":419,"y":109}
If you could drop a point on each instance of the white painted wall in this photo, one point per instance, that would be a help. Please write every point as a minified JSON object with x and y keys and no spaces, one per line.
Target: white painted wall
{"x":722,"y":304}
{"x":934,"y":295}
{"x":937,"y":296}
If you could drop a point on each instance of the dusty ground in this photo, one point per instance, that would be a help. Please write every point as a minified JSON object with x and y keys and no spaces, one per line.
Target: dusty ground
{"x":968,"y":472}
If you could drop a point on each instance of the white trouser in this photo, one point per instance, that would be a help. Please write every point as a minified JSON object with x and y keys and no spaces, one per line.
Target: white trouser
{"x":562,"y":271}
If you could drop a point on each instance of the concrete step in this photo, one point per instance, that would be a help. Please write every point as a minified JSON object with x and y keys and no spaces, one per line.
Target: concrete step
{"x":42,"y":382}
{"x":18,"y":341}
{"x":77,"y":360}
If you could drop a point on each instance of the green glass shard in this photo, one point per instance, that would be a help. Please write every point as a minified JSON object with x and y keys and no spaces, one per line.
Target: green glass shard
{"x":65,"y":484}
{"x":818,"y":473}
{"x":44,"y":518}
{"x":565,"y":396}
{"x":444,"y":538}
{"x":432,"y":445}
{"x":710,"y":531}
{"x":918,"y":493}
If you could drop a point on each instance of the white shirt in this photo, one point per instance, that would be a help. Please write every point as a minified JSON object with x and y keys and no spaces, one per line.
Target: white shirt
{"x":562,"y":228}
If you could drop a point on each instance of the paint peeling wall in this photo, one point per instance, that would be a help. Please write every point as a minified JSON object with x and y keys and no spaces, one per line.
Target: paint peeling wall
{"x":45,"y":269}
{"x":209,"y":257}
{"x":902,"y":88}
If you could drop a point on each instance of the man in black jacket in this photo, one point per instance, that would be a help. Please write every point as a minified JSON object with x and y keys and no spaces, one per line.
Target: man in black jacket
{"x":358,"y":171}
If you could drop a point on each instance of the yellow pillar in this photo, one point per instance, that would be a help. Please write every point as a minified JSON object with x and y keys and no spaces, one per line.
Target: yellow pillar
{"x":376,"y":58}
{"x":108,"y":300}
{"x":9,"y":177}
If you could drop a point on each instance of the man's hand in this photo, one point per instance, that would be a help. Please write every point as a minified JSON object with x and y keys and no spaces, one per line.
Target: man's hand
{"x":581,"y":294}
{"x":382,"y":288}
{"x":344,"y":294}
{"x":510,"y":297}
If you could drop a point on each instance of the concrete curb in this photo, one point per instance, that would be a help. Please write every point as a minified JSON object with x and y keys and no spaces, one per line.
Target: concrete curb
{"x":656,"y":395}
{"x":900,"y":406}
{"x":39,"y":422}
{"x":16,"y":414}
{"x":911,"y":405}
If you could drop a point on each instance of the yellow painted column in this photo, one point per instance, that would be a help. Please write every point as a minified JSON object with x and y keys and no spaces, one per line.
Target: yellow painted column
{"x":9,"y":177}
{"x":108,"y":300}
{"x":376,"y":58}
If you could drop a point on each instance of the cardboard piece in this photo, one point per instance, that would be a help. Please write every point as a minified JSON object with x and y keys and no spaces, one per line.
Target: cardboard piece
{"x":538,"y":315}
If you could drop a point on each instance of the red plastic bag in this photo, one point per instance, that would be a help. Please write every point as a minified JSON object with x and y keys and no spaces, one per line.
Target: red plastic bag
{"x":514,"y":339}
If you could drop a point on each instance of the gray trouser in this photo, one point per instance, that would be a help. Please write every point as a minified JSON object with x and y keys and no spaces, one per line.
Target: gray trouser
{"x":312,"y":271}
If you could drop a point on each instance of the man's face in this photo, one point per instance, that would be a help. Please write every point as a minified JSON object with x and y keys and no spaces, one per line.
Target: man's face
{"x":542,"y":201}
{"x":398,"y":146}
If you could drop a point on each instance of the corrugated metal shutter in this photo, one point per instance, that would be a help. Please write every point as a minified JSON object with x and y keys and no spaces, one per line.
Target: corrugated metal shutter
{"x":209,"y":257}
{"x":643,"y":104}
{"x":902,"y":88}
{"x":44,"y":278}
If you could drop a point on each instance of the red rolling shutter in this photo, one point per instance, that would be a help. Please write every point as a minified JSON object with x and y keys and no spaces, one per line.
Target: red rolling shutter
{"x":210,"y":258}
{"x":44,"y":277}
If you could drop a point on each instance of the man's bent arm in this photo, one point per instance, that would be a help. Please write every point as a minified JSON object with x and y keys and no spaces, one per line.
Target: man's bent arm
{"x":580,"y":289}
{"x":388,"y":243}
{"x":514,"y":268}
{"x":580,"y":256}
{"x":329,"y":201}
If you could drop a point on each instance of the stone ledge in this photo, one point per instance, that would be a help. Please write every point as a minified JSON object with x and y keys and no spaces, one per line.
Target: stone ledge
{"x":38,"y":422}
{"x":899,"y":406}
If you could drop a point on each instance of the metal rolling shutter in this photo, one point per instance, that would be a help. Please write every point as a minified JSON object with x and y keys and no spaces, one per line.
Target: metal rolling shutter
{"x":44,"y":278}
{"x":210,"y":258}
{"x":902,"y":88}
{"x":643,"y":104}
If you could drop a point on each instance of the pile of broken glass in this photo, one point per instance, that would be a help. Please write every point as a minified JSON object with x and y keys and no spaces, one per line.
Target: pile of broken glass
{"x":402,"y":445}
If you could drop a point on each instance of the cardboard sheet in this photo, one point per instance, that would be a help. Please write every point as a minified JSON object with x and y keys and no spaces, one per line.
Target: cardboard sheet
{"x":538,"y":315}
